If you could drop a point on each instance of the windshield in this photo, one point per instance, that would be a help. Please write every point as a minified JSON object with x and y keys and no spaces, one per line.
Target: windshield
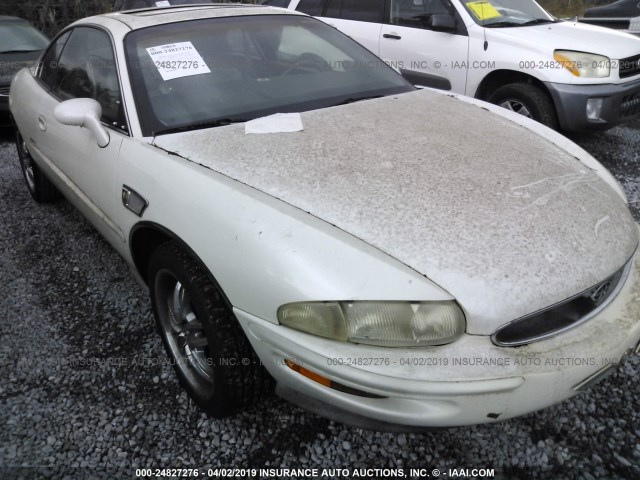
{"x":20,"y":37}
{"x":507,"y":13}
{"x":195,"y":73}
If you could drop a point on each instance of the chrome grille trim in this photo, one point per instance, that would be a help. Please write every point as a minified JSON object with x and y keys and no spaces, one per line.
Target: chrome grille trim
{"x":4,"y":91}
{"x":622,"y":274}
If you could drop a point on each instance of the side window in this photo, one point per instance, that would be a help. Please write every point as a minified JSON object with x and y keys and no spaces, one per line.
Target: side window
{"x":49,"y":64}
{"x":360,"y":10}
{"x":87,"y":69}
{"x":416,"y":13}
{"x":311,"y":7}
{"x":277,"y":3}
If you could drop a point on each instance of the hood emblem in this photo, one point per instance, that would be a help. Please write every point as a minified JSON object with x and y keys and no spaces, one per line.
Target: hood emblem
{"x":600,"y":292}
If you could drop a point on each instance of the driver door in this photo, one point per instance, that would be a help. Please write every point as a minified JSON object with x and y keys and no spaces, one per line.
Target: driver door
{"x":86,"y":69}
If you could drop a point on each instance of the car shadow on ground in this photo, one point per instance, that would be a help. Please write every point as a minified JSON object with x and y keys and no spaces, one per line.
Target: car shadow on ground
{"x":6,"y":134}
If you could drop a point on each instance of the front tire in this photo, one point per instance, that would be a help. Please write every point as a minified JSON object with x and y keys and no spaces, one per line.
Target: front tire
{"x":527,"y":100}
{"x":210,"y":353}
{"x":39,"y":186}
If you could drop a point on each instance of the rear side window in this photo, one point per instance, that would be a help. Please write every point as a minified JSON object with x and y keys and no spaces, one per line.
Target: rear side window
{"x":277,"y":3}
{"x":360,"y":10}
{"x":311,"y":7}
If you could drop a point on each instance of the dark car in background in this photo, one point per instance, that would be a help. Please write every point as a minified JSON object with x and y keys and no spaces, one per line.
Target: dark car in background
{"x":20,"y":46}
{"x":621,"y":15}
{"x":619,"y":9}
{"x":134,"y":4}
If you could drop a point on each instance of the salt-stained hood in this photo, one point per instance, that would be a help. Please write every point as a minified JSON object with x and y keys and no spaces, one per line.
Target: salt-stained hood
{"x":503,"y":219}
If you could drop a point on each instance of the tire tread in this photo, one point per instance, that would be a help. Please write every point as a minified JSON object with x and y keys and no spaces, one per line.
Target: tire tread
{"x":44,"y":191}
{"x":539,"y":103}
{"x":243,"y":386}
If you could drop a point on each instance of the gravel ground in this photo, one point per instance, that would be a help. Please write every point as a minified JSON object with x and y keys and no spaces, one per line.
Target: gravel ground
{"x":75,"y":405}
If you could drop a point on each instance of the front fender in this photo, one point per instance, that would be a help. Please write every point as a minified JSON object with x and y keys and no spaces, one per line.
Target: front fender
{"x":262,"y":252}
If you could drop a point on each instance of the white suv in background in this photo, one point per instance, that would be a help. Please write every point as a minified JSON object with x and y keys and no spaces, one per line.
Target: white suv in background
{"x":569,"y":76}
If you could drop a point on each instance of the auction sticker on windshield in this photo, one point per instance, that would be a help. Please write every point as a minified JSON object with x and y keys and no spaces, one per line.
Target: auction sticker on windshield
{"x":176,"y":60}
{"x":484,"y":10}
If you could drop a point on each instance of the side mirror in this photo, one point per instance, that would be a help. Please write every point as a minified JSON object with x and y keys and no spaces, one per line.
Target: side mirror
{"x":442,"y":22}
{"x":83,"y":112}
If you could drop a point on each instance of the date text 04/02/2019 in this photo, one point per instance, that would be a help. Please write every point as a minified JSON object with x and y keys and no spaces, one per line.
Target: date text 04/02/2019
{"x":308,"y":472}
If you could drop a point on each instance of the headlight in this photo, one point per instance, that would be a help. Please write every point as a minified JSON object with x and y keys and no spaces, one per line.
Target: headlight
{"x":385,"y":324}
{"x":585,"y":65}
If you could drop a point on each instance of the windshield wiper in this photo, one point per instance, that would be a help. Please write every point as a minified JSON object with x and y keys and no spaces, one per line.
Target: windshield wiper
{"x":538,"y":21}
{"x":199,"y":126}
{"x":357,"y":99}
{"x":502,"y":24}
{"x":506,"y":23}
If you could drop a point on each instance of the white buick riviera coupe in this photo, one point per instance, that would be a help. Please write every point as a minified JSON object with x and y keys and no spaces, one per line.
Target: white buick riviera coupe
{"x":307,"y":220}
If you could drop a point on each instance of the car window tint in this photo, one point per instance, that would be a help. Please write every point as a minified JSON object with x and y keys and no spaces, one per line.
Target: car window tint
{"x":87,"y":69}
{"x":136,"y":4}
{"x":277,"y":3}
{"x":360,"y":10}
{"x":311,"y":7}
{"x":414,"y":13}
{"x":254,"y":66}
{"x":49,"y":64}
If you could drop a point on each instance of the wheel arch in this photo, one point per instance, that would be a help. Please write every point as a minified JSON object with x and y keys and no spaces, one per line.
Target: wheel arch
{"x":146,"y":236}
{"x":500,"y":78}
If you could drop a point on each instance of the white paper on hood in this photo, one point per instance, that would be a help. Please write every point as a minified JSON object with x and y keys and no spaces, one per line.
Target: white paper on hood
{"x":176,"y":60}
{"x":277,"y":123}
{"x":163,"y":3}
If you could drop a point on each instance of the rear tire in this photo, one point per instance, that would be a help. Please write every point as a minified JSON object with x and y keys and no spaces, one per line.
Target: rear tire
{"x":39,"y":186}
{"x":527,"y":100}
{"x":211,"y":355}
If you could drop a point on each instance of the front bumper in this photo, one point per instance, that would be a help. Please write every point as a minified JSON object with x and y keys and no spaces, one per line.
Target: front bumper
{"x":470,"y":381}
{"x":621,"y":103}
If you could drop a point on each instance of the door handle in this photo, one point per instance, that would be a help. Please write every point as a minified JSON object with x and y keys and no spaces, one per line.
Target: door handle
{"x":42,"y":123}
{"x":394,"y":36}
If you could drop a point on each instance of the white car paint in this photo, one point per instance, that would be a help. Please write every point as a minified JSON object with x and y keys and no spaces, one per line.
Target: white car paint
{"x":269,"y":242}
{"x":466,"y":61}
{"x":378,"y":202}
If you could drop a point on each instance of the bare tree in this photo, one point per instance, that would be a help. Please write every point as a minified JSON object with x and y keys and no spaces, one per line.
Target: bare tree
{"x":51,"y":15}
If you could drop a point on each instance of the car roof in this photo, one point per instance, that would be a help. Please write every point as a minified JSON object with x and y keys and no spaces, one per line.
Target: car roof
{"x":146,"y":17}
{"x":121,"y":5}
{"x":8,"y":18}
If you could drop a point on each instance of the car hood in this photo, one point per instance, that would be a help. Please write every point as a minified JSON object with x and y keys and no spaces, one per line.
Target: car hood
{"x":568,"y":35}
{"x":504,"y":220}
{"x":12,"y":63}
